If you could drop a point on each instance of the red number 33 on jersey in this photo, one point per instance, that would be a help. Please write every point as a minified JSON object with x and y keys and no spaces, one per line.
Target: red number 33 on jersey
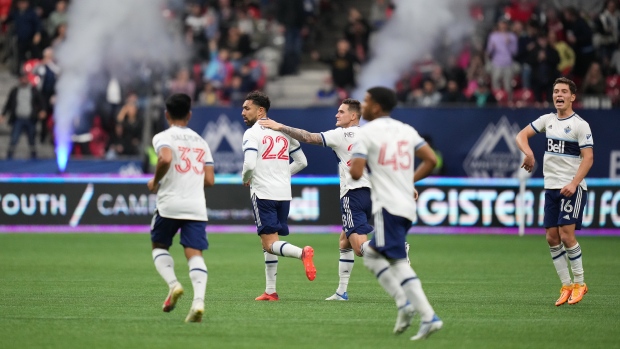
{"x":186,"y":163}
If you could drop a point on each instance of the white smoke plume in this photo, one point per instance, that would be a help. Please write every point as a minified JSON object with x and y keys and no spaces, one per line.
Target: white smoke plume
{"x":415,"y":29}
{"x":111,"y":37}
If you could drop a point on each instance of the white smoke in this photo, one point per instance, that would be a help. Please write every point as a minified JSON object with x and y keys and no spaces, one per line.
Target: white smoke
{"x":415,"y":29}
{"x":111,"y":37}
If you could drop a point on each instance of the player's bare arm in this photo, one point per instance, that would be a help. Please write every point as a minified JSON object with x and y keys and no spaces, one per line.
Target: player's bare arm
{"x":357,"y":167}
{"x":428,"y":163}
{"x":298,"y":134}
{"x":209,"y":176}
{"x":523,"y":143}
{"x":164,"y":158}
{"x":587,"y":160}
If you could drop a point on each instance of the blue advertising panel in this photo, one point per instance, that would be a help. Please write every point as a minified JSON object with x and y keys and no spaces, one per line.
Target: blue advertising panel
{"x":473,"y":142}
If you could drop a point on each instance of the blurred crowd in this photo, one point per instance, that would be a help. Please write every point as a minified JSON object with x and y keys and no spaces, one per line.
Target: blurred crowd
{"x":519,"y":47}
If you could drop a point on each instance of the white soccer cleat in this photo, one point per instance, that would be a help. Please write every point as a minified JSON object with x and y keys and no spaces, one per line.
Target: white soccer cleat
{"x":404,"y":318}
{"x":428,"y":328}
{"x":195,"y":313}
{"x":338,"y":297}
{"x":173,"y":296}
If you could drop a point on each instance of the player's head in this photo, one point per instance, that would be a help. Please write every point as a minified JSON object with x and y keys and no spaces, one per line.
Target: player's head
{"x":379,"y":101}
{"x":178,"y":107}
{"x":349,"y":113}
{"x":564,"y":94}
{"x":255,"y":107}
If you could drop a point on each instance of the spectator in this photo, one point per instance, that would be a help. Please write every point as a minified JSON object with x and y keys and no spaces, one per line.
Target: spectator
{"x":427,"y":96}
{"x":566,"y":53}
{"x":615,"y":61}
{"x":501,"y":48}
{"x":520,"y":10}
{"x":182,"y":84}
{"x":208,"y":96}
{"x":544,"y":60}
{"x":219,"y":70}
{"x":594,"y":81}
{"x":47,"y":71}
{"x":579,"y":36}
{"x":608,"y":23}
{"x":23,"y":106}
{"x":128,"y":130}
{"x":526,"y":41}
{"x":342,"y":65}
{"x":553,"y":24}
{"x":235,"y":41}
{"x":27,"y":31}
{"x":292,"y":17}
{"x":483,"y":97}
{"x":475,"y":73}
{"x":357,"y":33}
{"x":453,"y":94}
{"x":378,"y":13}
{"x":196,"y":31}
{"x":61,"y":35}
{"x":327,"y":94}
{"x":56,"y":18}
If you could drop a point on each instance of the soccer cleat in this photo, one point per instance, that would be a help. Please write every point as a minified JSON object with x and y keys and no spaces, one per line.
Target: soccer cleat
{"x":565,"y":292}
{"x":306,"y":257}
{"x":173,"y":296}
{"x":404,"y":318}
{"x":338,"y":297}
{"x":578,"y":292}
{"x":428,"y":328}
{"x":407,"y":250}
{"x":267,"y":297}
{"x":195,"y":314}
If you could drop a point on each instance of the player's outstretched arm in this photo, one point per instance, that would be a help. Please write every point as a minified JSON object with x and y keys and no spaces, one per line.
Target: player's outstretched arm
{"x":296,"y":133}
{"x":429,"y":161}
{"x":523,"y":143}
{"x":164,"y":158}
{"x":299,"y":161}
{"x":209,"y":176}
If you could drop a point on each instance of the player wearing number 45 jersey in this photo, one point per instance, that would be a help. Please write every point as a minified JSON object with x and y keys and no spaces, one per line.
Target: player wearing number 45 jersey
{"x":568,"y":158}
{"x":355,"y":203}
{"x":184,"y":169}
{"x":388,"y":147}
{"x":267,"y":170}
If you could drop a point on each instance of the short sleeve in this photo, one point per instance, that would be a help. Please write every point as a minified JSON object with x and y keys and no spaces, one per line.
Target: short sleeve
{"x":418,"y":141}
{"x":208,"y":158}
{"x":293,"y":146}
{"x":585,"y":136}
{"x":360,"y":147}
{"x":160,"y":141}
{"x":249,"y":141}
{"x":332,"y":138}
{"x":539,"y":125}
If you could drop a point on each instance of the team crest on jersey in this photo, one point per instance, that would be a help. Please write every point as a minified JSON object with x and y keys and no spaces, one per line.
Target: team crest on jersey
{"x":588,"y":136}
{"x":495,"y":154}
{"x":224,"y":137}
{"x":550,"y":127}
{"x":567,"y":129}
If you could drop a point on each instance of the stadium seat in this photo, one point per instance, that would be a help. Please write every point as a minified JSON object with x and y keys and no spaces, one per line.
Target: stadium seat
{"x":523,"y":97}
{"x":501,"y":96}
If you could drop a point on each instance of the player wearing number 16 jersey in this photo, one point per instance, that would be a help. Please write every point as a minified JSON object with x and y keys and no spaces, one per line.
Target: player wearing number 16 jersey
{"x":568,"y":158}
{"x":267,"y":170}
{"x":387,"y":147}
{"x":184,"y":169}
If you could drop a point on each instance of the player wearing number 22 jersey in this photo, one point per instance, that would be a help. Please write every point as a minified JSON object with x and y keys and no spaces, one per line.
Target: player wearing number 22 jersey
{"x":387,"y":147}
{"x":267,"y":170}
{"x":184,"y":168}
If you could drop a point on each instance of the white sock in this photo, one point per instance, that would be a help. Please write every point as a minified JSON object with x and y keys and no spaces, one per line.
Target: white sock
{"x":165,"y":266}
{"x":558,"y":254}
{"x":283,"y":248}
{"x":574,"y":255}
{"x":412,"y":286}
{"x":380,"y":267}
{"x":364,"y":246}
{"x":198,"y":274}
{"x":345,"y":266}
{"x":271,"y":270}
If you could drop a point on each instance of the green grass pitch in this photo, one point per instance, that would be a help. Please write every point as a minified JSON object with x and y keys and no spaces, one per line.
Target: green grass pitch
{"x":102,"y":291}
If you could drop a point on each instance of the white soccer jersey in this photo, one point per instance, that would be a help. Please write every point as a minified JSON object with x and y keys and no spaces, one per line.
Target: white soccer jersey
{"x":565,"y":139}
{"x":181,"y":191}
{"x":341,"y":141}
{"x":389,"y":146}
{"x":271,"y":178}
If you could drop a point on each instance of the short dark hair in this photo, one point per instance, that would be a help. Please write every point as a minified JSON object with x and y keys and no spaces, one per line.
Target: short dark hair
{"x":259,"y":98}
{"x":385,"y":97}
{"x":571,"y":85}
{"x":178,"y":106}
{"x":354,"y":106}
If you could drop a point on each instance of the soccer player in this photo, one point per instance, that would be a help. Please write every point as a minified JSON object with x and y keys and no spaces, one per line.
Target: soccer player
{"x":568,"y":158}
{"x":184,"y":168}
{"x":267,"y":171}
{"x":355,"y":203}
{"x":388,"y":147}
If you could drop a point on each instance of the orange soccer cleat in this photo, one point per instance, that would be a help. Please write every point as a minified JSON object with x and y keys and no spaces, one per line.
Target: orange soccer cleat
{"x":306,"y":257}
{"x":565,"y":293}
{"x":267,"y":297}
{"x":579,"y":290}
